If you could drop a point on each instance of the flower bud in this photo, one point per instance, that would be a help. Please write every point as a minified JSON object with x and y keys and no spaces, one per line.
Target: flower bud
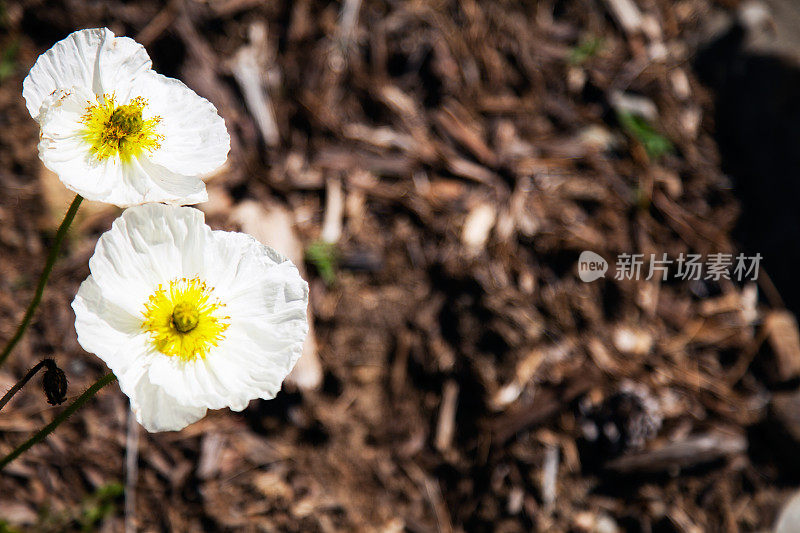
{"x":54,"y":383}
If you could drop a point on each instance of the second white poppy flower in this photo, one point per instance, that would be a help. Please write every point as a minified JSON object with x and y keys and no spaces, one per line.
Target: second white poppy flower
{"x":189,"y":319}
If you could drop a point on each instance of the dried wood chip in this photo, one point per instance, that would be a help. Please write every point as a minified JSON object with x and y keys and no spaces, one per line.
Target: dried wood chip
{"x":477,"y":226}
{"x":445,"y":427}
{"x":786,"y":408}
{"x":784,"y":338}
{"x":634,"y":104}
{"x":680,"y":83}
{"x":550,"y":476}
{"x":249,"y":66}
{"x":686,"y":453}
{"x":272,"y":485}
{"x":334,"y":211}
{"x":626,"y":14}
{"x":789,"y":516}
{"x":632,"y":341}
{"x":17,"y":513}
{"x":211,"y":448}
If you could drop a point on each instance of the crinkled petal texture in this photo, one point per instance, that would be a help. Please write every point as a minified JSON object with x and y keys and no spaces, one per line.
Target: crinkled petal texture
{"x":171,"y":136}
{"x":94,"y":60}
{"x":195,"y":140}
{"x":262,"y":295}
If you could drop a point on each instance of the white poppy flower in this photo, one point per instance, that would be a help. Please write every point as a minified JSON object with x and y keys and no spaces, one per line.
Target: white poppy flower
{"x":116,"y":131}
{"x":189,"y":319}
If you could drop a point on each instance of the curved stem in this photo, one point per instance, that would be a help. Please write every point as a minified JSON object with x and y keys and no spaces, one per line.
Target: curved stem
{"x":21,"y":383}
{"x":48,"y":268}
{"x":63,"y":415}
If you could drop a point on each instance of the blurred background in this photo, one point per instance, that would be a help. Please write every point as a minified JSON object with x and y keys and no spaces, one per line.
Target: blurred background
{"x":436,"y":168}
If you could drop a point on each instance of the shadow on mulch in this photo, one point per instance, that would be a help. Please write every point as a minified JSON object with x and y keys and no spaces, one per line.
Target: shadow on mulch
{"x":756,"y":117}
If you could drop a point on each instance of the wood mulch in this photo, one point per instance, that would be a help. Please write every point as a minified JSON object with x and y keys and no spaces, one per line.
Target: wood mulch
{"x":459,"y":156}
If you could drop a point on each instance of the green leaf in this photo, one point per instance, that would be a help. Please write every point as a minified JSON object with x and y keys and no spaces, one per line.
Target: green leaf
{"x":655,"y":144}
{"x":8,"y":60}
{"x":99,"y":505}
{"x":585,"y":50}
{"x":5,"y":527}
{"x":325,"y":258}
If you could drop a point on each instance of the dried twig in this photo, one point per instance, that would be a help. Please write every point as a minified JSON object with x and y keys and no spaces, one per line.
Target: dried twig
{"x":249,"y":66}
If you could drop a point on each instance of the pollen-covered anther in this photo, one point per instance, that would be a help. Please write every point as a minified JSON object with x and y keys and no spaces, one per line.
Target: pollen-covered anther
{"x":183,"y":319}
{"x":120,"y":130}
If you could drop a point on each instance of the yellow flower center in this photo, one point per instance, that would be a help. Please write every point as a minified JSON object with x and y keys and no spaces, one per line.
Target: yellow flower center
{"x":184,"y":319}
{"x":119,"y":130}
{"x":185,"y":316}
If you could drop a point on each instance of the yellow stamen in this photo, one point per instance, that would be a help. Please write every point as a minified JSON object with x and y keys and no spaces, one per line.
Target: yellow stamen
{"x":119,"y":130}
{"x":184,"y":319}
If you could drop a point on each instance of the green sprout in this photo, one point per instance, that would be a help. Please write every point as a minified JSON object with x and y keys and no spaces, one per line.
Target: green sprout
{"x":4,"y":25}
{"x":8,"y":60}
{"x":94,"y":508}
{"x":325,"y":258}
{"x":5,"y":527}
{"x":655,"y":144}
{"x":585,"y":50}
{"x":99,"y":505}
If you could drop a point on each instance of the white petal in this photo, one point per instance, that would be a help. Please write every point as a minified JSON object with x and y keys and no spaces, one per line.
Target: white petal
{"x":140,"y":182}
{"x":257,"y":364}
{"x":238,"y":371}
{"x":237,"y":260}
{"x":129,"y":360}
{"x":195,"y":138}
{"x":148,"y":245}
{"x":189,"y":382}
{"x":63,"y":150}
{"x":153,"y":406}
{"x":94,"y":60}
{"x":156,"y":410}
{"x":259,"y":284}
{"x":172,"y":188}
{"x":102,"y":326}
{"x":129,"y":356}
{"x":266,"y":299}
{"x":262,"y":290}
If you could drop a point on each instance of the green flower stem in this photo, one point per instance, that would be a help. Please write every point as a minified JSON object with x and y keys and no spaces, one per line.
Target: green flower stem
{"x":63,"y":415}
{"x":48,"y":268}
